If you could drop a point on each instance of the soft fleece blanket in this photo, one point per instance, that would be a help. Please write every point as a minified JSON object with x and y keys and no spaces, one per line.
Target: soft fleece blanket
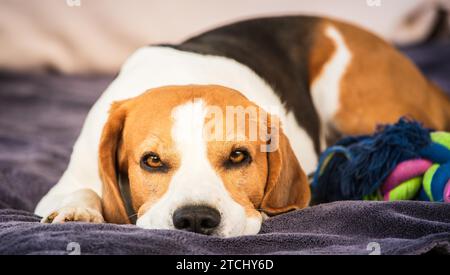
{"x":40,"y":117}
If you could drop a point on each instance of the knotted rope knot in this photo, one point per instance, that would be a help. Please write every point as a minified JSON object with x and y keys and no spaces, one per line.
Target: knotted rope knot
{"x":403,"y":161}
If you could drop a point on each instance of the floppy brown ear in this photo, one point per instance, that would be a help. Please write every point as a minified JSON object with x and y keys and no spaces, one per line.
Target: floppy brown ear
{"x":287,"y":186}
{"x":113,"y":206}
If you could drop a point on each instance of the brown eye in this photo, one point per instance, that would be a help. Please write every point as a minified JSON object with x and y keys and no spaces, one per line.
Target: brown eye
{"x":152,"y":162}
{"x":239,"y":156}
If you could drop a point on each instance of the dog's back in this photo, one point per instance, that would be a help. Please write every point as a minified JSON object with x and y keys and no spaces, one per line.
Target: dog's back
{"x":335,"y":77}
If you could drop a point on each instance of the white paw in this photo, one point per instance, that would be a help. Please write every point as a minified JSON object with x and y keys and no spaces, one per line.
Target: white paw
{"x":74,"y":214}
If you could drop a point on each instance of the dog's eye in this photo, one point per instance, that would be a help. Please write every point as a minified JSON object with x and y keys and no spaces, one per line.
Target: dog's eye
{"x":152,"y":162}
{"x":239,"y":156}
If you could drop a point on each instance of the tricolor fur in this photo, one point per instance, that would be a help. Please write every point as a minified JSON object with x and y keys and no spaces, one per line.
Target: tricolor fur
{"x":320,"y":78}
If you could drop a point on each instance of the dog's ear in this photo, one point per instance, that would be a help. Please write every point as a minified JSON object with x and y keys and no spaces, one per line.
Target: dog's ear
{"x":287,"y":186}
{"x":114,"y":210}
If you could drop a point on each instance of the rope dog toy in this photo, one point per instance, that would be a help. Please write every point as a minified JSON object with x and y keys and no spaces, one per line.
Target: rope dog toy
{"x":403,"y":161}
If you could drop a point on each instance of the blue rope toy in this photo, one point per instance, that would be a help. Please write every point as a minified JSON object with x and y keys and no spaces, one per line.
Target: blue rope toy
{"x":399,"y":161}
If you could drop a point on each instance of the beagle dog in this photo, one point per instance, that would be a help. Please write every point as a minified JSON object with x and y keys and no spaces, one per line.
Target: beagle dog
{"x":147,"y":153}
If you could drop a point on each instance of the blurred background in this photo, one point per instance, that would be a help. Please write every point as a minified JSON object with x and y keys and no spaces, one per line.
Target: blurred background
{"x":95,"y":36}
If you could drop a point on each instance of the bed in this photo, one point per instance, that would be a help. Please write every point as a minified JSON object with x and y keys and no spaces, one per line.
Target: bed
{"x":41,"y":116}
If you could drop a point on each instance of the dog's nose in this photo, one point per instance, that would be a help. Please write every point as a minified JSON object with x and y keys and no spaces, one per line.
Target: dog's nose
{"x":198,"y":219}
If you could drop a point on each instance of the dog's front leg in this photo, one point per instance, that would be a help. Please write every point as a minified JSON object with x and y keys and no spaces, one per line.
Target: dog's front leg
{"x":83,"y":205}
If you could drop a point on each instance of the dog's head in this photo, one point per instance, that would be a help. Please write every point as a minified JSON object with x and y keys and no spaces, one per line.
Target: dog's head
{"x":185,"y":167}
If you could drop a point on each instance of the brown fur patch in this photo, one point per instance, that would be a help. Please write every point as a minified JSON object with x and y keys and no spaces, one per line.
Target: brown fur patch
{"x":287,"y":186}
{"x":381,"y":85}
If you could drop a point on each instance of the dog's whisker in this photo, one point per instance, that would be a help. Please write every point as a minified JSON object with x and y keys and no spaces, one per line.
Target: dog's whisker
{"x":134,"y":215}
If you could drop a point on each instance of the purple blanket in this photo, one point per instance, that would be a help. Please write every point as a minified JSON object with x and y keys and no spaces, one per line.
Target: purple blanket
{"x":40,"y":117}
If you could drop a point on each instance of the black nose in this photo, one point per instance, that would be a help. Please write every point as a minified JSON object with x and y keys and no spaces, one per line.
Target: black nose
{"x":198,"y":219}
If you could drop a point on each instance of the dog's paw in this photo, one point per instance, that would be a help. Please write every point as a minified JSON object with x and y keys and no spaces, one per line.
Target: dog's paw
{"x":74,"y":214}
